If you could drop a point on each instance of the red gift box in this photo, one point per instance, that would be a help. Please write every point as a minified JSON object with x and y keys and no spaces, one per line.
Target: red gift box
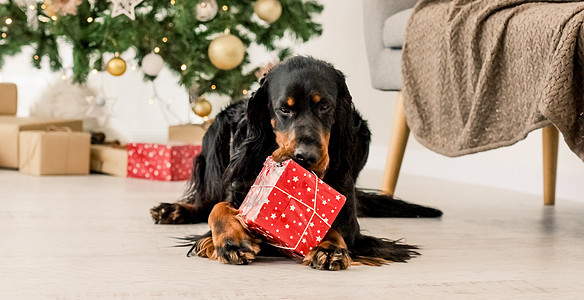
{"x":161,"y":162}
{"x":290,"y":206}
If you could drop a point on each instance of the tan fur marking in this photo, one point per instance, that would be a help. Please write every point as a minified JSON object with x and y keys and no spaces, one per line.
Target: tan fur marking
{"x":320,"y":167}
{"x":316,"y":98}
{"x":273,"y":122}
{"x":286,"y":145}
{"x":225,"y":226}
{"x":290,"y":101}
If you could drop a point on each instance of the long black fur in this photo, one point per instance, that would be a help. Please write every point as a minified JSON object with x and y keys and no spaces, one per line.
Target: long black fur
{"x":241,"y":137}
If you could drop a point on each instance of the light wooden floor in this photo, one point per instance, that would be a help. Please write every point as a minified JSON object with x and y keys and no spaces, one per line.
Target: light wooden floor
{"x":91,"y":237}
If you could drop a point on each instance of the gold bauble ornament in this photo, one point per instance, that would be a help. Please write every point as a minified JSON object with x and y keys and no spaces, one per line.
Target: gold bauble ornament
{"x":202,"y":107}
{"x":116,"y":66}
{"x":226,"y":52}
{"x":268,"y":10}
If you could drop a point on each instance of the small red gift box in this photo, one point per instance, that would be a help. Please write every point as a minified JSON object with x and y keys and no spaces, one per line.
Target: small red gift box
{"x":290,"y":206}
{"x":161,"y":162}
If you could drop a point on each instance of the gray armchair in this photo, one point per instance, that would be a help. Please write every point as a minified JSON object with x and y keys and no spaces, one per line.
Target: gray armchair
{"x":385,"y":23}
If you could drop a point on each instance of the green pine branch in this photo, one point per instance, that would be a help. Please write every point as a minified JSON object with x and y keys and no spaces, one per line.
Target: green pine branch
{"x":173,"y":29}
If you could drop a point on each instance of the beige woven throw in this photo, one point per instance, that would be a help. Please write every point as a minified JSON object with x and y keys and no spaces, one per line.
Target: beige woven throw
{"x":482,"y":74}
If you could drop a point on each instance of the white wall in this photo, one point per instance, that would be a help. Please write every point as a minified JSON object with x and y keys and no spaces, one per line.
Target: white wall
{"x":517,"y":167}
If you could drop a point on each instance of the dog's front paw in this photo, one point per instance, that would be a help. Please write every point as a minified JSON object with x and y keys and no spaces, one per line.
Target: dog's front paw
{"x":331,"y":254}
{"x":240,"y":252}
{"x":330,"y":258}
{"x":232,"y":242}
{"x":170,"y":213}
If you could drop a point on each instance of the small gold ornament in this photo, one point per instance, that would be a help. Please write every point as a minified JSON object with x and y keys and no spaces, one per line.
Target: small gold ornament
{"x":268,"y":10}
{"x":202,"y":107}
{"x":226,"y":52}
{"x":116,"y":66}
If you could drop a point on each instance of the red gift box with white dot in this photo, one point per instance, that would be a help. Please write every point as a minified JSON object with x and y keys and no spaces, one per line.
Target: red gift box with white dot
{"x":161,"y":162}
{"x":290,"y":207}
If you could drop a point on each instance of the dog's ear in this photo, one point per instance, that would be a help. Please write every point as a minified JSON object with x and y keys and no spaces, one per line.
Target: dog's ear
{"x":253,"y":141}
{"x":349,"y":126}
{"x":258,"y":112}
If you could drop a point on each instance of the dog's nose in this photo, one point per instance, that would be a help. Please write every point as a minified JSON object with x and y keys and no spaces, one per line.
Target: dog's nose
{"x":306,"y":156}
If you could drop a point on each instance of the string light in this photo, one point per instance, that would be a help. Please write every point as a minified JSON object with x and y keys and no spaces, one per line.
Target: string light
{"x":213,"y":87}
{"x":64,"y":77}
{"x":3,"y":35}
{"x":54,"y":18}
{"x":31,"y":7}
{"x":36,"y":57}
{"x":172,"y":2}
{"x":94,"y":71}
{"x":8,"y":21}
{"x":225,"y":8}
{"x":89,"y":20}
{"x":156,"y":49}
{"x":244,"y":92}
{"x":183,"y":67}
{"x":164,"y":39}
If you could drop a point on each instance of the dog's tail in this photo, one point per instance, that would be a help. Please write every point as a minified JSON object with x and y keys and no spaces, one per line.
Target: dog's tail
{"x":372,"y":251}
{"x":384,"y":206}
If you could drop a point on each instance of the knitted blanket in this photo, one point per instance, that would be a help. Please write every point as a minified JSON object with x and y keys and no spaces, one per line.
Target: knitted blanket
{"x":481,"y":74}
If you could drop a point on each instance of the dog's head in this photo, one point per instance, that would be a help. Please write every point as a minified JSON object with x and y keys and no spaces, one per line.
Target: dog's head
{"x":303,"y":99}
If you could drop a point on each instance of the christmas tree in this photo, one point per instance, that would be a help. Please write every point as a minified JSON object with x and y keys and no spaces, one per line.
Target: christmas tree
{"x":203,"y":41}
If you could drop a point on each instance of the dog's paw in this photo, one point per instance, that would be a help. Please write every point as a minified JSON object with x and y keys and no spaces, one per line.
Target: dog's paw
{"x":234,"y":252}
{"x":330,"y":258}
{"x":203,"y":248}
{"x":331,"y":254}
{"x":170,"y":213}
{"x":233,"y":243}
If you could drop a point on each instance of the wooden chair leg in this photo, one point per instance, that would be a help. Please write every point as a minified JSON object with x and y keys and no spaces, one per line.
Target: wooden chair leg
{"x":550,"y":162}
{"x":397,"y":146}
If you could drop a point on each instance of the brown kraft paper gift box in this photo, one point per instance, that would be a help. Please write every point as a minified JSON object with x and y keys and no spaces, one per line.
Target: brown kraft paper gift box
{"x":8,"y":98}
{"x":10,"y":127}
{"x":109,"y":160}
{"x":187,"y":133}
{"x":54,"y":152}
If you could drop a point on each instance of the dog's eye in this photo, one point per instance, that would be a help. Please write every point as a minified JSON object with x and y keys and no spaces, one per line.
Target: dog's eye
{"x":285,"y":111}
{"x":324,"y":107}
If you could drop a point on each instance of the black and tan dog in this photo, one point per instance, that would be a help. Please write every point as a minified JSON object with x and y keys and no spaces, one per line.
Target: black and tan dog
{"x":303,"y":111}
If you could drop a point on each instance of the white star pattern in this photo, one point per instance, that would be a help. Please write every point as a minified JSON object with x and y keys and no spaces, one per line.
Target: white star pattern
{"x":304,"y":240}
{"x":318,"y":238}
{"x":292,"y":208}
{"x":338,"y":197}
{"x":287,"y":226}
{"x":295,"y":179}
{"x":283,"y":215}
{"x":273,"y":216}
{"x":326,"y":220}
{"x":125,"y":7}
{"x":299,"y":223}
{"x":308,"y":189}
{"x":323,"y":202}
{"x":311,"y":224}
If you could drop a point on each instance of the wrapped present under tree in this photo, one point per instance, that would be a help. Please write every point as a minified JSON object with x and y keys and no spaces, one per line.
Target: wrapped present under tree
{"x":161,"y":162}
